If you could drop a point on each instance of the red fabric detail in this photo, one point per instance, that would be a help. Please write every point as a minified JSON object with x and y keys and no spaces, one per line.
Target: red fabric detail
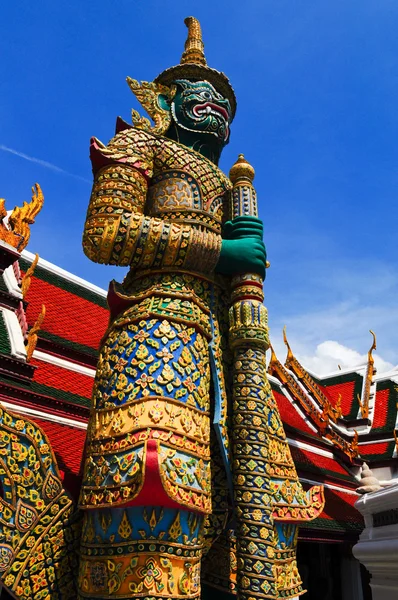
{"x":100,"y":160}
{"x":347,"y":395}
{"x":121,"y":125}
{"x":380,"y":448}
{"x":381,"y":408}
{"x":152,"y":491}
{"x":289,"y":414}
{"x":63,"y":379}
{"x":67,"y":315}
{"x":116,"y":302}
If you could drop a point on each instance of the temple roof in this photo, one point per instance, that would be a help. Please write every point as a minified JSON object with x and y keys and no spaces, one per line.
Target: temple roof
{"x":354,"y":410}
{"x":76,"y":311}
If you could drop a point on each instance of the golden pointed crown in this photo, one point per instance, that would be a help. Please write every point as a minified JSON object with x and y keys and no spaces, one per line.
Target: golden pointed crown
{"x":193,"y":65}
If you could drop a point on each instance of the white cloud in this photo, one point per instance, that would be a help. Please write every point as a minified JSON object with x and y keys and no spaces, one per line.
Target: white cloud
{"x":329,"y":317}
{"x":328,"y":355}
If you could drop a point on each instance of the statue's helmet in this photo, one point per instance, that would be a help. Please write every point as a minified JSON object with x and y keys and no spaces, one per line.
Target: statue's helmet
{"x":193,"y":66}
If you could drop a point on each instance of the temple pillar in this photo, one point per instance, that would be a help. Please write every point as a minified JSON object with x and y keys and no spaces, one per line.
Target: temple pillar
{"x":351,"y":588}
{"x":377,"y":548}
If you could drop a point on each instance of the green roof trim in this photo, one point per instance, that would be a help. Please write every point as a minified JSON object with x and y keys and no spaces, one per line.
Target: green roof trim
{"x":323,"y":472}
{"x":333,"y":525}
{"x":64,"y":284}
{"x":5,"y":346}
{"x":45,"y":390}
{"x":3,"y":286}
{"x":68,"y":344}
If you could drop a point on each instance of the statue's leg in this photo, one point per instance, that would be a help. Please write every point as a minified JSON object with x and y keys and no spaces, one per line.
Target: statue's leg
{"x":140,"y":552}
{"x":147,"y":473}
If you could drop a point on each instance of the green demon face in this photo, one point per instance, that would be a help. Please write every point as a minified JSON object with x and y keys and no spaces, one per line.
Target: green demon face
{"x":199,"y":108}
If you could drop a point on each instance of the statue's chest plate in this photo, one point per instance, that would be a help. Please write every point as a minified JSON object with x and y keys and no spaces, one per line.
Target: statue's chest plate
{"x":188,"y":188}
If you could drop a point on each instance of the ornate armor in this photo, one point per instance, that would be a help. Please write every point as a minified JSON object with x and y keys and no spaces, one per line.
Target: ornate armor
{"x":150,"y":429}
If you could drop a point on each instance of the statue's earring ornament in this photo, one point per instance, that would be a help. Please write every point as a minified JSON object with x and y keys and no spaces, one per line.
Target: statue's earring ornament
{"x":147,"y":94}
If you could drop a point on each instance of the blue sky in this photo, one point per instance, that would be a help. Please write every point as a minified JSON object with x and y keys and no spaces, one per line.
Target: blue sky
{"x":316,"y":83}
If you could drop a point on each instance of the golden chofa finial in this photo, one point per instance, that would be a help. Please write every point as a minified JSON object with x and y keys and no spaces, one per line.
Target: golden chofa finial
{"x":194,"y":47}
{"x":274,"y":358}
{"x":373,"y":346}
{"x":17,"y":231}
{"x":290,"y":355}
{"x":241,"y":170}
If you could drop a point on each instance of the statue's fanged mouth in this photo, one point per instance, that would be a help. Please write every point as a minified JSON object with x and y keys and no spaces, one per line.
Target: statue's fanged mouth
{"x":201,"y":110}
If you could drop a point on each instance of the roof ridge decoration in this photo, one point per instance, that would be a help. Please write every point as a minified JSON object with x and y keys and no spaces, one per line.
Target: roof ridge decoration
{"x":328,"y":410}
{"x":370,"y":372}
{"x":319,"y":419}
{"x":26,"y":280}
{"x":33,"y":334}
{"x":396,"y":437}
{"x":16,"y":232}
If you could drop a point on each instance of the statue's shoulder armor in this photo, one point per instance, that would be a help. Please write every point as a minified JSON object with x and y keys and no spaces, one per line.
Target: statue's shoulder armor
{"x":130,"y":146}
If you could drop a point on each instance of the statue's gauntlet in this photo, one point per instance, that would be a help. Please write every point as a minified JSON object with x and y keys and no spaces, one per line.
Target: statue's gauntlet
{"x":117,"y":231}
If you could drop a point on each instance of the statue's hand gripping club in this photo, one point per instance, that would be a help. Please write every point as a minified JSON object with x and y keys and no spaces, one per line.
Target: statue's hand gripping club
{"x":242,"y":249}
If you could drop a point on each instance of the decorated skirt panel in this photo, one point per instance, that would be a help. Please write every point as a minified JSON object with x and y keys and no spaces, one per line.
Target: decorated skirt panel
{"x":39,"y":532}
{"x":153,"y":378}
{"x":158,"y":300}
{"x":140,"y":552}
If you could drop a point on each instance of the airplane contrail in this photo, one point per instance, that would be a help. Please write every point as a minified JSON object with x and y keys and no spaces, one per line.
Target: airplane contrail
{"x":42,"y":163}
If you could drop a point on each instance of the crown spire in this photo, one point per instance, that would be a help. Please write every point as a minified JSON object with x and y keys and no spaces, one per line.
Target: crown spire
{"x":193,"y":66}
{"x":194,"y":47}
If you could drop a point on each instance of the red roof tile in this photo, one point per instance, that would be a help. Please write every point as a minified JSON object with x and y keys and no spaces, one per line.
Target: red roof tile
{"x":67,"y":443}
{"x":381,"y":408}
{"x":62,"y":379}
{"x":305,"y":459}
{"x":347,"y":395}
{"x":67,"y":315}
{"x":289,"y":414}
{"x":339,"y":506}
{"x":380,"y":448}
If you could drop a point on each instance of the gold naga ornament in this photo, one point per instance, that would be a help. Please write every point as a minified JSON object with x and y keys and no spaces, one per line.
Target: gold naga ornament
{"x":17,"y":232}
